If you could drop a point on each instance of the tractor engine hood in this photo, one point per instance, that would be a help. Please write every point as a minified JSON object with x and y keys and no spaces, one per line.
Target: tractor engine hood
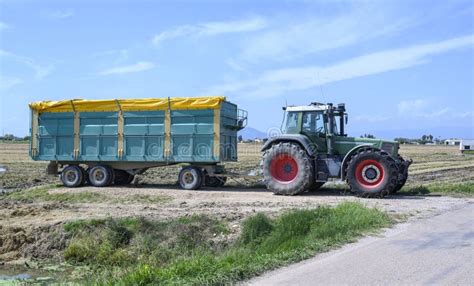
{"x":390,"y":147}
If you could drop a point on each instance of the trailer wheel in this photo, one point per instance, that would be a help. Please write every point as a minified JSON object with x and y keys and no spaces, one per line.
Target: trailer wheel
{"x":100,"y":176}
{"x":190,"y":178}
{"x":72,"y":176}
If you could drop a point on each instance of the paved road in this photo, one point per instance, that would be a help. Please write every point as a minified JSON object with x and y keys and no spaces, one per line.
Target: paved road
{"x":438,"y":250}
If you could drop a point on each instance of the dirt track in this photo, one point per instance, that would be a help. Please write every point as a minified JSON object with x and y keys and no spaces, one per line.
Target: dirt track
{"x":232,"y":204}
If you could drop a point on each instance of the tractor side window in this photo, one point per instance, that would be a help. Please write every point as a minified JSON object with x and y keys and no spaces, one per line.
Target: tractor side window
{"x":313,"y":122}
{"x":292,"y":122}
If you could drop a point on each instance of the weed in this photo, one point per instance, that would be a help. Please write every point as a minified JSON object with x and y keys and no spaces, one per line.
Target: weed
{"x":256,"y":228}
{"x":264,"y":244}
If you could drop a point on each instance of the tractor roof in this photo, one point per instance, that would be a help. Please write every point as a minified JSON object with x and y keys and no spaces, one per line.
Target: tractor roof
{"x":312,"y":107}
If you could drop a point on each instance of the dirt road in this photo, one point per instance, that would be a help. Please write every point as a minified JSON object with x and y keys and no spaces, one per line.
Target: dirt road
{"x":437,"y":250}
{"x":232,"y":204}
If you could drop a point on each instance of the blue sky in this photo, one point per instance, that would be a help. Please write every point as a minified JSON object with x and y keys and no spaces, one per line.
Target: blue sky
{"x":403,"y":68}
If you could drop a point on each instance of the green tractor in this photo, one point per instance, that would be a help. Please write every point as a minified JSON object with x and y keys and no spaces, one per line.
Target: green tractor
{"x":314,"y":148}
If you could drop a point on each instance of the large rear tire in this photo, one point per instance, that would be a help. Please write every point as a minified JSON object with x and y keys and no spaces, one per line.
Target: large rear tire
{"x":372,"y":173}
{"x":287,"y":169}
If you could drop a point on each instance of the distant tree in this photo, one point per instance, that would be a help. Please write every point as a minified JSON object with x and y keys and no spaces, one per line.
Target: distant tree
{"x":403,"y":140}
{"x":8,"y":137}
{"x":367,"y":136}
{"x":26,"y":138}
{"x":240,"y":138}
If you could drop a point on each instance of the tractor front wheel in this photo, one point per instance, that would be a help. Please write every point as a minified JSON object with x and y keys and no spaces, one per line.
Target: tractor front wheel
{"x":372,"y":173}
{"x":287,"y":169}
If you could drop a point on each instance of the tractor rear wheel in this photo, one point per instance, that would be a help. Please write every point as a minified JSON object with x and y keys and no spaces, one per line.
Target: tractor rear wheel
{"x":287,"y":169}
{"x":403,"y":175}
{"x":372,"y":173}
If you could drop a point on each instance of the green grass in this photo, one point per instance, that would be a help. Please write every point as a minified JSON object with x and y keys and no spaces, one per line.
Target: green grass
{"x":42,"y":194}
{"x":464,"y":189}
{"x":469,"y":152}
{"x":189,"y":250}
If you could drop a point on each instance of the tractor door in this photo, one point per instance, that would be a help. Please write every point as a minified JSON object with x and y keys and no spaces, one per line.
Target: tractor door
{"x":313,"y":126}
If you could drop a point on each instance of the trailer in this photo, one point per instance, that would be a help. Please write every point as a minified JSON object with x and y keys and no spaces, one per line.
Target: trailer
{"x":104,"y":142}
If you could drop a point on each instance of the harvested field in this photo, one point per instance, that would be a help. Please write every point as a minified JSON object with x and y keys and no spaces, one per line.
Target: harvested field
{"x":36,"y":204}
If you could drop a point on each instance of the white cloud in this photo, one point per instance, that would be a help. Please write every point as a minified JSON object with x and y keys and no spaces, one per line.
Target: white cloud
{"x":40,"y":71}
{"x":9,"y":82}
{"x":273,"y":83}
{"x":210,"y":29}
{"x":411,"y":106}
{"x":318,"y":34}
{"x":138,"y":67}
{"x":59,"y":14}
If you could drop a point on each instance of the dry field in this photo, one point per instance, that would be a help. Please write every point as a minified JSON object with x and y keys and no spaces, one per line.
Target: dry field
{"x":37,"y":203}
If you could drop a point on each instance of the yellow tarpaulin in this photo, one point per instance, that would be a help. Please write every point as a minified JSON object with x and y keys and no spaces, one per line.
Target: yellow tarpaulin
{"x":142,"y":104}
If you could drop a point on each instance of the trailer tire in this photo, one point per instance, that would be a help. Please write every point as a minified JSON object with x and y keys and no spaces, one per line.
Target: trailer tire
{"x":100,"y":176}
{"x":190,"y":178}
{"x":72,"y":176}
{"x":287,"y":169}
{"x":372,"y":173}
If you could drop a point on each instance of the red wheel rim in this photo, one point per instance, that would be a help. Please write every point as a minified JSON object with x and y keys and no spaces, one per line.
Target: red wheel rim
{"x":284,"y":169}
{"x":369,"y":173}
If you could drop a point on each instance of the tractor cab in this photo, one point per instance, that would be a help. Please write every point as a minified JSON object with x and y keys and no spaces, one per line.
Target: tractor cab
{"x":317,"y":121}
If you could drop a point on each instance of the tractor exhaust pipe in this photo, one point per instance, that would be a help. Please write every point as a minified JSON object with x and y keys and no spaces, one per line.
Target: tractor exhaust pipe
{"x":330,"y":137}
{"x":341,"y":107}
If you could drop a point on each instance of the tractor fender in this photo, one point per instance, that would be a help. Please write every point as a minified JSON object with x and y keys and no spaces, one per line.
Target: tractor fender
{"x":302,"y":140}
{"x":349,"y":155}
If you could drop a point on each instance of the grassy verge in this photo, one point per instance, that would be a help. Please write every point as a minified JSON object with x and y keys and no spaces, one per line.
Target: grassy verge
{"x":42,"y":194}
{"x":194,"y":250}
{"x":465,"y":189}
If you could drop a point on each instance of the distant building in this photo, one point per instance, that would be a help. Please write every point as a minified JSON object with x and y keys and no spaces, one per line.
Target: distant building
{"x":466,"y":145}
{"x":452,"y":142}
